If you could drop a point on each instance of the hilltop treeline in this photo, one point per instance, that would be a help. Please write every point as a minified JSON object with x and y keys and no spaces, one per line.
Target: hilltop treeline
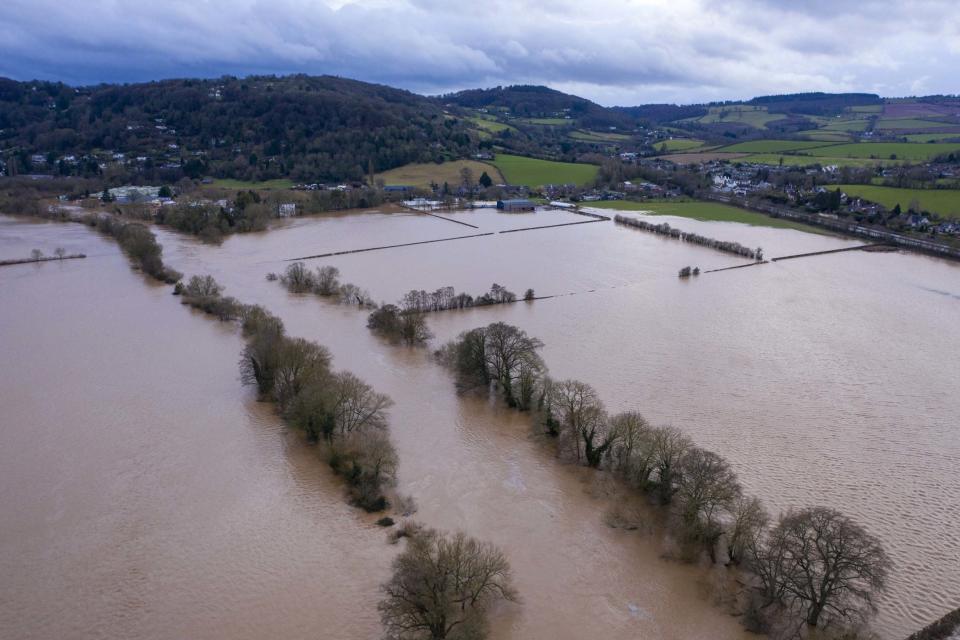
{"x":665,"y":229}
{"x":335,"y":408}
{"x":815,"y":103}
{"x":812,"y":567}
{"x":312,"y":129}
{"x":534,"y":101}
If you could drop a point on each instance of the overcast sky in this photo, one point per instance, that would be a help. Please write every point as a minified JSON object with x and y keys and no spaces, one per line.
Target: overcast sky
{"x":611,"y":51}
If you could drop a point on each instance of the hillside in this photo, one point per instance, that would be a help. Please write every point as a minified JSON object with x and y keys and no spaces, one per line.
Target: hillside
{"x":536,"y":102}
{"x":306,"y":128}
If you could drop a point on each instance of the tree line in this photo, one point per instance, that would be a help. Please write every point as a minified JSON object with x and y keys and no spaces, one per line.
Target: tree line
{"x":324,"y":282}
{"x":812,"y":567}
{"x":139,"y":243}
{"x":665,"y":229}
{"x":333,"y":408}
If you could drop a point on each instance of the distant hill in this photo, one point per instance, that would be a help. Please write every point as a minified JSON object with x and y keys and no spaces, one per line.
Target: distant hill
{"x":530,"y":101}
{"x":815,"y":103}
{"x":308,"y":128}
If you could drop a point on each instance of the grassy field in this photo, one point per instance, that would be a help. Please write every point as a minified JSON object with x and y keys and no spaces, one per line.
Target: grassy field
{"x":533,"y":172}
{"x":795,"y":160}
{"x":771,"y":146}
{"x":826,"y":136}
{"x":845,"y":125}
{"x":933,"y":137}
{"x":946,"y":202}
{"x":678,"y":144}
{"x":422,"y":175}
{"x":279,"y":183}
{"x":598,"y":136}
{"x":868,"y":108}
{"x":698,"y":210}
{"x":884,"y":150}
{"x":756,"y":117}
{"x":490,"y":125}
{"x":909,"y":123}
{"x":552,"y":122}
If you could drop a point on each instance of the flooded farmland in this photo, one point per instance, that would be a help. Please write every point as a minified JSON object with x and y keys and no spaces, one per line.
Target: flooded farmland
{"x":139,"y":474}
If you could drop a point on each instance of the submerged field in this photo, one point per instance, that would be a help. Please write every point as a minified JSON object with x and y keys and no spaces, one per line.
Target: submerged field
{"x":699,"y":210}
{"x":533,"y":172}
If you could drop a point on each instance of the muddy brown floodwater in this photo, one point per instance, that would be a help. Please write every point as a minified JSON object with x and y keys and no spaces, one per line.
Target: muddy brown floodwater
{"x":145,"y":494}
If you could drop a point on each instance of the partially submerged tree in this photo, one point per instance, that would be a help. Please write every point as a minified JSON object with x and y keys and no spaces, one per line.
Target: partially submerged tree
{"x":707,"y":487}
{"x":442,"y":587}
{"x":819,"y":562}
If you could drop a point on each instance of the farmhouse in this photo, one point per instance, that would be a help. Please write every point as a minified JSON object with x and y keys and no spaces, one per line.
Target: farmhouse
{"x":518,"y":204}
{"x":287,"y":210}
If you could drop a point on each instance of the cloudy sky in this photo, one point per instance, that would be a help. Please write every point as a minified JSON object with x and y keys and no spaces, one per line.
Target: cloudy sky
{"x":611,"y":51}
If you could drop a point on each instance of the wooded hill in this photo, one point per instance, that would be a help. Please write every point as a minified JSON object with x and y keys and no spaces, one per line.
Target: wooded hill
{"x":306,"y":128}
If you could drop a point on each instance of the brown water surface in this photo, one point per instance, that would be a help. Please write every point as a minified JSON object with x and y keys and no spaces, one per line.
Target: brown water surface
{"x":145,"y":488}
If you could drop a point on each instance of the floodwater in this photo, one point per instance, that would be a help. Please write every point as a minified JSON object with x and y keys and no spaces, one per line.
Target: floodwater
{"x":155,"y":498}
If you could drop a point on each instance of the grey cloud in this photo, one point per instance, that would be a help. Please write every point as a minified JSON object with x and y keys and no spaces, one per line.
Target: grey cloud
{"x":609,"y":50}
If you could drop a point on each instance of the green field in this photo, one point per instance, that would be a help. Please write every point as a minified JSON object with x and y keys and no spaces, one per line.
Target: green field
{"x":909,"y":123}
{"x":797,"y":160}
{"x":946,"y":202}
{"x":552,"y":122}
{"x":678,"y":144}
{"x":826,"y":136}
{"x":279,"y":183}
{"x":423,"y":175}
{"x":534,"y":173}
{"x":491,"y":126}
{"x":699,"y":210}
{"x":756,"y":117}
{"x":845,"y":125}
{"x":932,"y":137}
{"x":868,"y":108}
{"x":771,"y":146}
{"x":598,"y":136}
{"x":884,"y":150}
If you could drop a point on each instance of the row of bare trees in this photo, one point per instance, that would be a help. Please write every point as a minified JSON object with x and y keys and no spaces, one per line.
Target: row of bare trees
{"x":335,"y":408}
{"x":444,"y":298}
{"x":665,"y":229}
{"x":323,"y":281}
{"x":812,"y":567}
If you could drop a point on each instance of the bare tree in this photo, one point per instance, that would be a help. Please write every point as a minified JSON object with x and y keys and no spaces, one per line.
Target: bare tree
{"x":368,"y":462}
{"x":583,"y":420}
{"x":36,"y":254}
{"x":750,"y":520}
{"x":669,"y":445}
{"x":298,"y":362}
{"x":355,"y":405}
{"x":707,"y":487}
{"x":632,"y":453}
{"x":202,"y":287}
{"x":442,"y":587}
{"x":327,"y":281}
{"x":507,"y":347}
{"x":60,"y":252}
{"x":298,"y":278}
{"x":413,"y":328}
{"x":823,"y":564}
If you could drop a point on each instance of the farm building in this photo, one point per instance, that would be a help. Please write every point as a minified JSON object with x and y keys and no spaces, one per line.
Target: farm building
{"x":287,"y":210}
{"x":518,"y":204}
